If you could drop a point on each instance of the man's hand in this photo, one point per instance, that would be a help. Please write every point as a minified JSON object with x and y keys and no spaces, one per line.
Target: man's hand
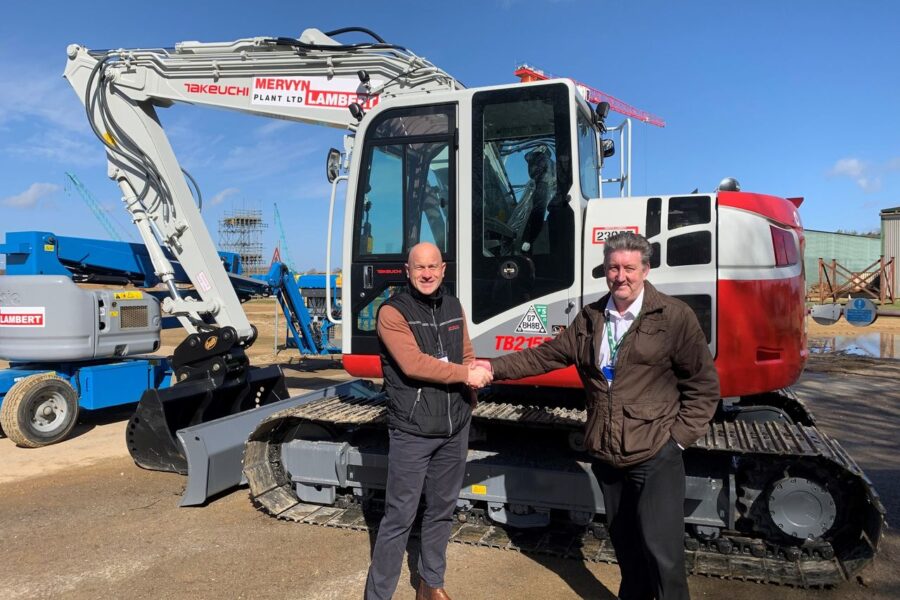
{"x":478,"y":376}
{"x":484,"y":364}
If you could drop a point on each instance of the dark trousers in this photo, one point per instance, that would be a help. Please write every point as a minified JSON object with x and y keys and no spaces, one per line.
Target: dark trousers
{"x":417,"y":464}
{"x":645,"y":517}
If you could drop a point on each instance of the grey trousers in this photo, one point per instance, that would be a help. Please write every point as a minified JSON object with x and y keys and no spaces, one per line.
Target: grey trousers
{"x":417,"y":464}
{"x":645,"y":517}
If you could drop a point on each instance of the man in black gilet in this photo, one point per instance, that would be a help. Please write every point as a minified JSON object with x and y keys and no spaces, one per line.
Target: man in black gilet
{"x":425,"y":350}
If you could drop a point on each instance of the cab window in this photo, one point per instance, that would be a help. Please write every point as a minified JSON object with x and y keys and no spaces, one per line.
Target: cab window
{"x":588,"y":162}
{"x":405,"y":197}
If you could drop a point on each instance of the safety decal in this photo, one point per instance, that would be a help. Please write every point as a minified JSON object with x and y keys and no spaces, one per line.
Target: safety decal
{"x":535,"y":320}
{"x":22,"y":316}
{"x":128,"y":296}
{"x":601,"y":234}
{"x":203,"y":282}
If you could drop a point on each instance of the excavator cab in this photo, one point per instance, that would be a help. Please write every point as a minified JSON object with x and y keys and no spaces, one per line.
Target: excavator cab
{"x":488,"y":177}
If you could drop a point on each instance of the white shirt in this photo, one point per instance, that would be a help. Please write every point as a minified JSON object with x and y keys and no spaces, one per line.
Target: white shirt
{"x":620,"y":322}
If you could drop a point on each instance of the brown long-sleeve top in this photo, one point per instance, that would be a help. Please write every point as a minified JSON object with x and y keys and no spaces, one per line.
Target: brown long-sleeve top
{"x":398,"y":339}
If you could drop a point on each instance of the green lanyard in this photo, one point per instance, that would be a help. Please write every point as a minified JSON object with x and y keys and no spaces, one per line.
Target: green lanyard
{"x":613,"y":346}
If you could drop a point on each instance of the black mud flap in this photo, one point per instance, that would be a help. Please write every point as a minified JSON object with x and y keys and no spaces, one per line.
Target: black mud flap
{"x":160,"y":413}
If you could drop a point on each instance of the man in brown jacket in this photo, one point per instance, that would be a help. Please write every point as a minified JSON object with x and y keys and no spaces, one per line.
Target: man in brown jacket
{"x":650,"y":391}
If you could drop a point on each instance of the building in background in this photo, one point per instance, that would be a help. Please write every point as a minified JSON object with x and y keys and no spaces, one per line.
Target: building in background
{"x":890,"y":238}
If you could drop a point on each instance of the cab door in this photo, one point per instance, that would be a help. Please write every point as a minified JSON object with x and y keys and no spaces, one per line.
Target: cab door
{"x":523,"y":224}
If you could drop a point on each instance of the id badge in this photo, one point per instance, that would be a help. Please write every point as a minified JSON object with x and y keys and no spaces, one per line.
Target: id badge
{"x":609,"y":372}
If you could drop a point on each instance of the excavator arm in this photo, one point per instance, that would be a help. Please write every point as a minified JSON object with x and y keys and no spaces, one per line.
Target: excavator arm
{"x":313,"y":79}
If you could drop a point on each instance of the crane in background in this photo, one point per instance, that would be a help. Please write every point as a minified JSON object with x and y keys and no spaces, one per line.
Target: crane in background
{"x":526,"y":73}
{"x":98,"y":211}
{"x":283,"y":253}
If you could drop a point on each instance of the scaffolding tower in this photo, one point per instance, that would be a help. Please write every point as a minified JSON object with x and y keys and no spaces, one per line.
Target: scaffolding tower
{"x":240,"y":231}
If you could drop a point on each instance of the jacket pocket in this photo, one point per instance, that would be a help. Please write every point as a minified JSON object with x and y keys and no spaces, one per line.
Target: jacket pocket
{"x":429,"y":413}
{"x":651,"y":344}
{"x":642,"y":426}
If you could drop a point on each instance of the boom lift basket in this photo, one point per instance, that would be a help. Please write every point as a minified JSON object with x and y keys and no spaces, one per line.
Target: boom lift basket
{"x":162,"y":412}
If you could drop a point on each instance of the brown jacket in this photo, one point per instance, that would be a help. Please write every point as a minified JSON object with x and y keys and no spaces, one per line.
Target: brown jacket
{"x":666,"y":384}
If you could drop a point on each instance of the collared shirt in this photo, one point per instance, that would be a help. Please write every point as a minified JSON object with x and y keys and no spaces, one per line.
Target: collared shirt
{"x":620,"y":322}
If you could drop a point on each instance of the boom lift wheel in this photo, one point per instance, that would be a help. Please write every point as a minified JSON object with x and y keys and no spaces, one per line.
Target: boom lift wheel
{"x":39,"y":410}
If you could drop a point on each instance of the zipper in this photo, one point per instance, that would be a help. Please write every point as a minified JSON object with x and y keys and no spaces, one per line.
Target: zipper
{"x":446,"y":387}
{"x":415,"y":404}
{"x":634,"y":326}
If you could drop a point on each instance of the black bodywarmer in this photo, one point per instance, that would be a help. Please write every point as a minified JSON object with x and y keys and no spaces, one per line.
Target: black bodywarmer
{"x":421,"y":407}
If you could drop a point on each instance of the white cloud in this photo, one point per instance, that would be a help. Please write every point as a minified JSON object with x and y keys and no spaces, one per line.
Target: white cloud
{"x":272,"y":127}
{"x":42,"y":117}
{"x":63,"y":147}
{"x":30,"y":92}
{"x":261,"y":159}
{"x":31,"y":196}
{"x":221,"y":196}
{"x":848,"y":167}
{"x":864,"y":174}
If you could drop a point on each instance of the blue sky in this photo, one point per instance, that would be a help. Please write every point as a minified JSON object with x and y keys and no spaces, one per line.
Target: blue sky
{"x":793,"y":98}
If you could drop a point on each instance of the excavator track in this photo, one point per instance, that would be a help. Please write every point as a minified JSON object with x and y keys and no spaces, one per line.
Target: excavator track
{"x":759,"y":550}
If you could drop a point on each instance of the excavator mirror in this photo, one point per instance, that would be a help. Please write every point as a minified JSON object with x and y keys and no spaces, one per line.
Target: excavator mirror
{"x":333,"y":164}
{"x":600,"y":114}
{"x":608,"y":147}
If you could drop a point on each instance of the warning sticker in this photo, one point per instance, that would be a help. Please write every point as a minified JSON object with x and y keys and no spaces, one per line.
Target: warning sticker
{"x":128,"y":296}
{"x":535,"y":320}
{"x":21,"y":316}
{"x":315,"y":92}
{"x":203,"y":282}
{"x":601,"y":234}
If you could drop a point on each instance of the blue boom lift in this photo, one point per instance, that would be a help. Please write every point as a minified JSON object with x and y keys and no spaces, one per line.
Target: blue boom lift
{"x":40,"y":399}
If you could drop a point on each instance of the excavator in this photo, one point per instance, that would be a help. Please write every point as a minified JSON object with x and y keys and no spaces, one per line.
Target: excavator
{"x":507,"y":181}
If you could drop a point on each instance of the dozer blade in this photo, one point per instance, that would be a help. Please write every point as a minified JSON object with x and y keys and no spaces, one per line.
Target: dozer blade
{"x":151,"y":431}
{"x":215,"y":450}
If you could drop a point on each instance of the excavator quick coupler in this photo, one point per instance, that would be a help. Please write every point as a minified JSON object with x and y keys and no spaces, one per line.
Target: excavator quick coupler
{"x":214,"y":379}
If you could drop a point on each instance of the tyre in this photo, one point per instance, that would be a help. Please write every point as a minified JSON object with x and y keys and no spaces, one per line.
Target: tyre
{"x":39,"y":410}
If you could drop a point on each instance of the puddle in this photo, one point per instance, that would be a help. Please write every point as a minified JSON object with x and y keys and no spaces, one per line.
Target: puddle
{"x":875,"y":345}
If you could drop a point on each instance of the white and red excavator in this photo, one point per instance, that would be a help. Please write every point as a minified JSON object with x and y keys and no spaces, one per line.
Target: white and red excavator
{"x":506,"y":180}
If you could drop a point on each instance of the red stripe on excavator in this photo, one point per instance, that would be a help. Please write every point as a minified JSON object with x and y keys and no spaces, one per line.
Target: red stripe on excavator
{"x":772,"y":207}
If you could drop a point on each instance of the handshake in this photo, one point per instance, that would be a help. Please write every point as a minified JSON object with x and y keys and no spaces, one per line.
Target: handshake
{"x":480,"y":374}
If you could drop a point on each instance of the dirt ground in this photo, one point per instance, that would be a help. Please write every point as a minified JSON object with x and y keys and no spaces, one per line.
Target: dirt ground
{"x":78,"y":520}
